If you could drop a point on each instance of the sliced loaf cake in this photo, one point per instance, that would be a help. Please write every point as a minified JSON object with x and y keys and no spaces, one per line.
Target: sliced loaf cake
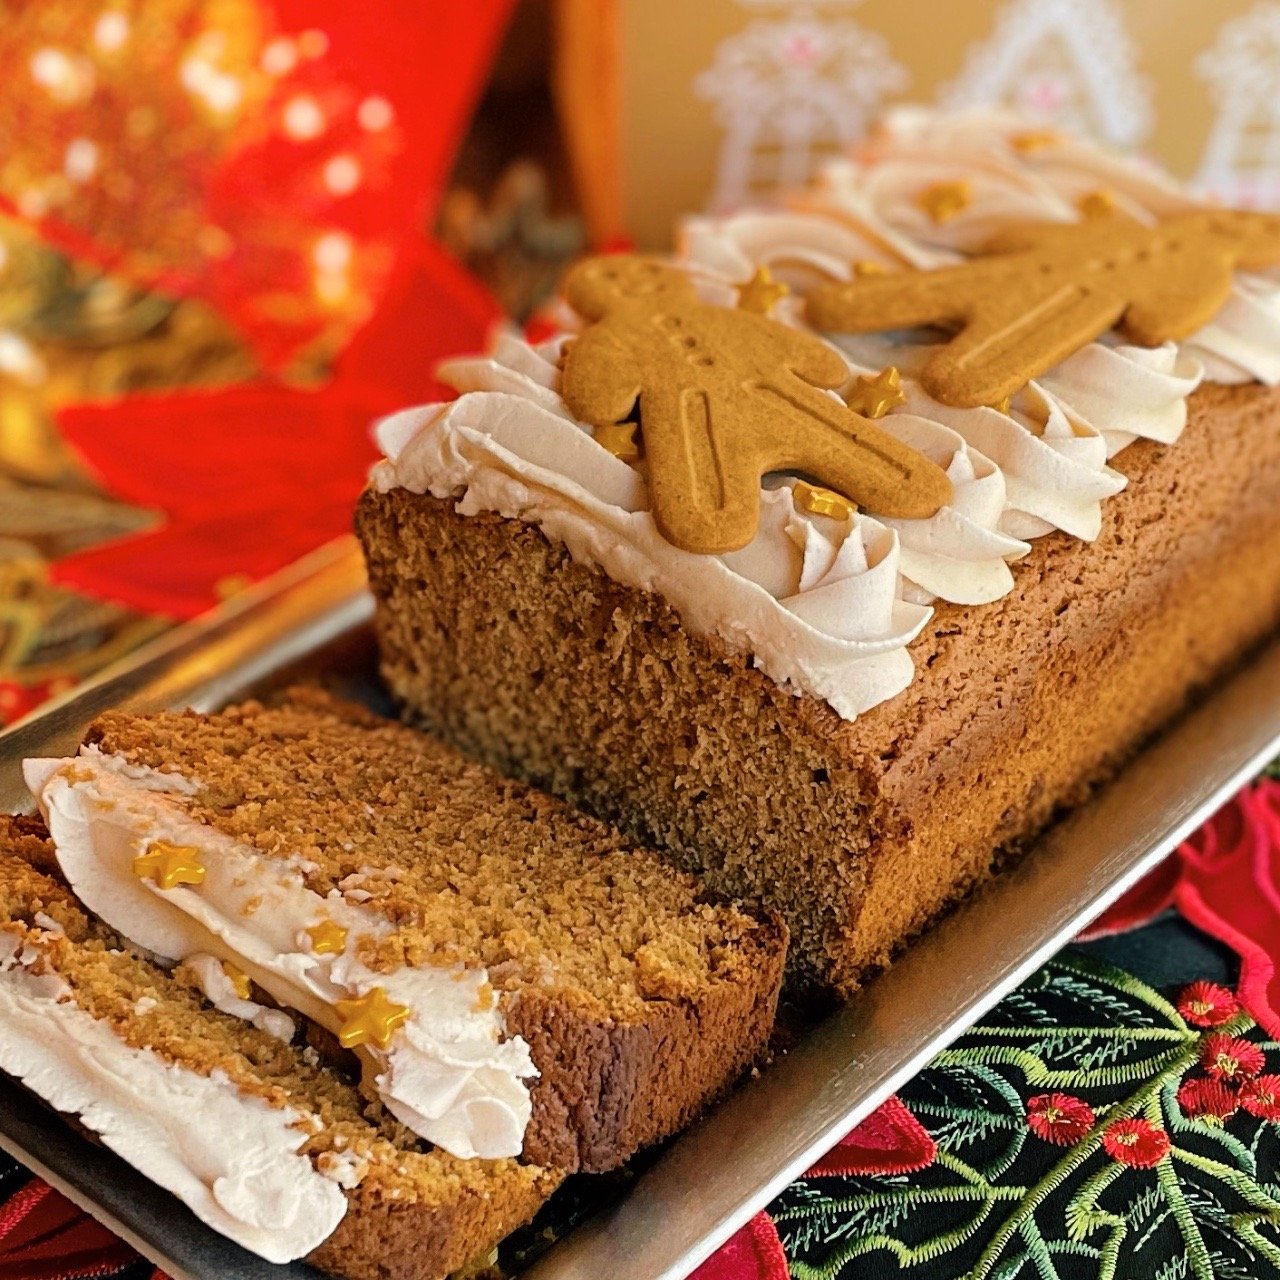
{"x":250,"y":1131}
{"x":514,"y":977}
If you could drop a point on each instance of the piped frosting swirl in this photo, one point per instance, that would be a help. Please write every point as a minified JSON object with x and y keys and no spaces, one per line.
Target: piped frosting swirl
{"x":810,"y":599}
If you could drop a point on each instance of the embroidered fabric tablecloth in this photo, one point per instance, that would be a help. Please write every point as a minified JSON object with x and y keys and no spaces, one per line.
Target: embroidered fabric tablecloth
{"x":1117,"y":1117}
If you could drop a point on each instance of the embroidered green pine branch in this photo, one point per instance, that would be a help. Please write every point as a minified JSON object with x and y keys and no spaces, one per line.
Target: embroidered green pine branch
{"x":1203,"y":1185}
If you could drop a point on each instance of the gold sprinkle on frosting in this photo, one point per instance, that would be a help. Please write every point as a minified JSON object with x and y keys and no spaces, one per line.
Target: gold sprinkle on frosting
{"x":874,"y":394}
{"x":760,"y":293}
{"x":869,"y":267}
{"x":169,"y":865}
{"x":1034,"y":140}
{"x":328,"y":938}
{"x":943,"y":200}
{"x":818,"y":501}
{"x":240,"y":983}
{"x":1096,"y":204}
{"x":620,"y":439}
{"x":370,"y":1019}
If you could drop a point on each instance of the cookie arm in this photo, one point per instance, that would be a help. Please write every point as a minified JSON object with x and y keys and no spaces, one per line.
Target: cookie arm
{"x":899,"y":300}
{"x":594,"y":382}
{"x":1016,"y":336}
{"x":853,"y":456}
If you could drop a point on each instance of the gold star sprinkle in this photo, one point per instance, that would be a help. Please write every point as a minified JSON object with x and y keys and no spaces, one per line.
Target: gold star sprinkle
{"x":1096,"y":204}
{"x":943,"y":200}
{"x":1034,"y":140}
{"x":867,"y":267}
{"x":169,"y":865}
{"x":874,"y":394}
{"x":240,"y":983}
{"x":370,"y":1019}
{"x":620,"y":439}
{"x":760,"y":292}
{"x":328,"y":938}
{"x":818,"y":501}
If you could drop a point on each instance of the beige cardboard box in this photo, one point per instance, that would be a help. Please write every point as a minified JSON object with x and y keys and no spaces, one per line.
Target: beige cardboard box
{"x":677,"y":105}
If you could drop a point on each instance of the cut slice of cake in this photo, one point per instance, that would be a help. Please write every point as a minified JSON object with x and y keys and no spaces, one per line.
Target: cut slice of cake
{"x":513,"y":976}
{"x":250,"y":1132}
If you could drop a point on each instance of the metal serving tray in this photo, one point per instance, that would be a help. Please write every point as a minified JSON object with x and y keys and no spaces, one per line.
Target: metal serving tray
{"x":314,"y":617}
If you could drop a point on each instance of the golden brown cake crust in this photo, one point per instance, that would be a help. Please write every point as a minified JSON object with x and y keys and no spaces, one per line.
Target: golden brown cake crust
{"x":641,"y":1001}
{"x":858,"y":833}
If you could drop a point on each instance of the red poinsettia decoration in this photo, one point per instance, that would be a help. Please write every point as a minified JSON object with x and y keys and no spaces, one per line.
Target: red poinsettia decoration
{"x":251,"y":478}
{"x":1059,"y":1118}
{"x":1136,"y":1141}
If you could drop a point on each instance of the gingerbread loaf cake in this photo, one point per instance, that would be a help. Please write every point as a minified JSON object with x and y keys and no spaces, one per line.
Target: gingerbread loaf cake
{"x":251,"y":1132}
{"x":857,"y":714}
{"x":512,"y":977}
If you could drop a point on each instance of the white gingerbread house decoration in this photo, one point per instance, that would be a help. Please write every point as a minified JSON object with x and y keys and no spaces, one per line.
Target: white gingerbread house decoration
{"x":789,"y":92}
{"x":1068,"y":62}
{"x":1241,"y":160}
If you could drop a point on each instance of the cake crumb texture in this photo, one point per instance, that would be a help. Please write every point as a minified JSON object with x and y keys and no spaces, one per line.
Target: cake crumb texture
{"x":641,"y":998}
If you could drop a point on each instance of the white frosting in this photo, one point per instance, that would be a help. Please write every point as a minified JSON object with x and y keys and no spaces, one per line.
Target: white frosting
{"x":813,"y":600}
{"x":960,"y":553}
{"x":1040,"y":464}
{"x":447,"y":1072}
{"x":212,"y":977}
{"x":230,"y":1157}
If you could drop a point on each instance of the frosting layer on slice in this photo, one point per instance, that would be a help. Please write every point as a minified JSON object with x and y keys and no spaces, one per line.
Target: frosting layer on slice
{"x":431,"y":1039}
{"x":230,"y":1157}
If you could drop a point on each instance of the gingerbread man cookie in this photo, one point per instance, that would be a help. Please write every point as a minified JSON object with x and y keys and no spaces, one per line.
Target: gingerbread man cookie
{"x":725,"y":396}
{"x":1046,"y":290}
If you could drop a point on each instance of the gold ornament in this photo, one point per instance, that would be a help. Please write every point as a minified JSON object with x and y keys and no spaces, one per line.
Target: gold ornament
{"x":370,"y":1019}
{"x":1096,"y":204}
{"x":240,"y":983}
{"x":169,"y":865}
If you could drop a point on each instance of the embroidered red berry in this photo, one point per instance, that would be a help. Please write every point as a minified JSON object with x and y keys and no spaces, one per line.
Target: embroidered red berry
{"x":1207,"y":1004}
{"x":1261,"y":1097}
{"x":1210,"y":1100}
{"x":1059,"y":1118}
{"x":1230,"y":1058}
{"x":1136,"y":1142}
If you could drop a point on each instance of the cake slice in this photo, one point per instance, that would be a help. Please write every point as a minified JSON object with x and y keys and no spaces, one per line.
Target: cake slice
{"x":514,"y":978}
{"x":249,"y":1131}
